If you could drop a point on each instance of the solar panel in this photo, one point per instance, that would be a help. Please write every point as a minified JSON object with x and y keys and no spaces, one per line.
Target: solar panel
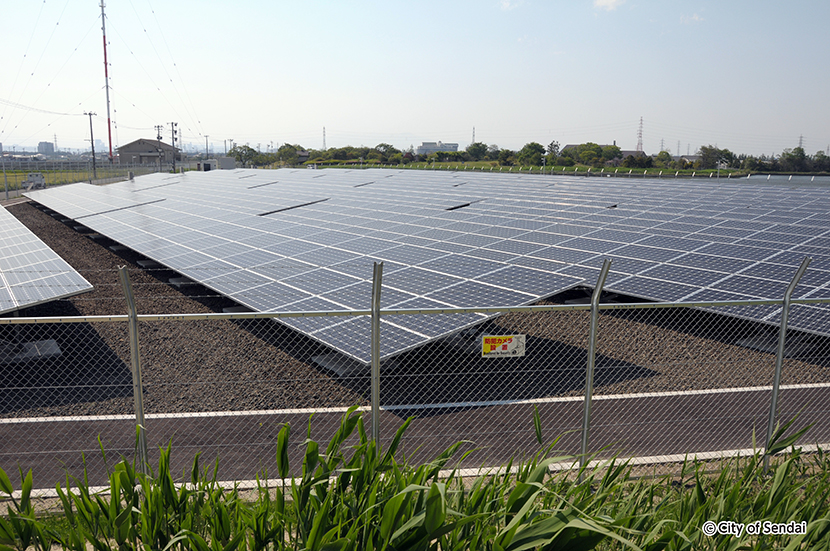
{"x":30,"y":272}
{"x":283,"y":239}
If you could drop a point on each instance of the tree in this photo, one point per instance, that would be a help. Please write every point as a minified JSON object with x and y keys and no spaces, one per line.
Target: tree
{"x":553,"y":149}
{"x":611,"y":152}
{"x":589,"y":146}
{"x":287,"y":153}
{"x":531,"y":154}
{"x":588,"y":157}
{"x":821,"y":162}
{"x":641,"y":161}
{"x":709,"y":156}
{"x":493,"y":152}
{"x":243,"y":154}
{"x":663,"y":159}
{"x":506,"y":157}
{"x":477,"y":151}
{"x":386,"y":151}
{"x":794,"y":160}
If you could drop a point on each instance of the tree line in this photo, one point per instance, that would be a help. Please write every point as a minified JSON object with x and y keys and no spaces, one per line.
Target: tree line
{"x":535,"y":154}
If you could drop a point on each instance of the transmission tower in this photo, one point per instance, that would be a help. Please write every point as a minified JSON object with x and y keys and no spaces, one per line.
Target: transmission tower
{"x":801,"y":141}
{"x":474,"y":135}
{"x":324,"y":138}
{"x":640,"y":136}
{"x":662,"y":144}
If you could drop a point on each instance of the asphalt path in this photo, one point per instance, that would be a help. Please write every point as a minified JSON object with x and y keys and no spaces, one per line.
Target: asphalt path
{"x":652,"y":426}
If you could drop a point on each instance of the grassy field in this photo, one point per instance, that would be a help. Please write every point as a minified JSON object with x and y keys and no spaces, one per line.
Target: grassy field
{"x":360,"y":497}
{"x":492,"y":166}
{"x":15,"y":179}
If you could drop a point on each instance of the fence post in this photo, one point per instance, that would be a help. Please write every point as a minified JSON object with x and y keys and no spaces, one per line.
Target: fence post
{"x":592,"y":352}
{"x":375,"y":350}
{"x":135,"y":361}
{"x":779,"y":356}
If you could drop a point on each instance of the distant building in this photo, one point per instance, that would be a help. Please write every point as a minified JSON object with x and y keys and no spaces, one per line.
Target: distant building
{"x":624,"y":153}
{"x":434,"y":147}
{"x":687,"y":158}
{"x":145,"y":151}
{"x":46,"y":148}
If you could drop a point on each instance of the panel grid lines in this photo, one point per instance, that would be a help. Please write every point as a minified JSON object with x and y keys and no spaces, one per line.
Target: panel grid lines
{"x":497,"y":237}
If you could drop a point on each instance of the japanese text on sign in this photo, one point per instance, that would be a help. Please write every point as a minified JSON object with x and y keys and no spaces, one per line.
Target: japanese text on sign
{"x":500,"y":346}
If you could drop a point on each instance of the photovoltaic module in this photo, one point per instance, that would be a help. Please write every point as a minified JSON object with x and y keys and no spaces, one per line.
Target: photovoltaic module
{"x":30,"y":272}
{"x":301,"y":240}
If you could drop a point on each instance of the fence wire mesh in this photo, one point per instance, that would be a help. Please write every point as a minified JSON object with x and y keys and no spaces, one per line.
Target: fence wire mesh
{"x":455,"y":393}
{"x":667,"y":382}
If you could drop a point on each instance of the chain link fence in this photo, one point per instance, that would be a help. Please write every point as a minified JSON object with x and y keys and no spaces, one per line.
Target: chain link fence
{"x":666,"y":380}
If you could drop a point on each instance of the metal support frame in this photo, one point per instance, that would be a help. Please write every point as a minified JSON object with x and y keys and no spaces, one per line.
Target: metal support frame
{"x":592,"y":352}
{"x":135,"y":361}
{"x":377,"y":277}
{"x":779,"y":356}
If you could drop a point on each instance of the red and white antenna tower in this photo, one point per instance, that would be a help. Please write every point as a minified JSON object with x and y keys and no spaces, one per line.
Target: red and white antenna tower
{"x":106,"y":78}
{"x":640,"y":136}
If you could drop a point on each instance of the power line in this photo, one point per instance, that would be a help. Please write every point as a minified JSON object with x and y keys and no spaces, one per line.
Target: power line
{"x":16,"y":105}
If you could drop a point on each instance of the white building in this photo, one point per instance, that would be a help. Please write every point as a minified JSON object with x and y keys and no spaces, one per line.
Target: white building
{"x":432,"y":147}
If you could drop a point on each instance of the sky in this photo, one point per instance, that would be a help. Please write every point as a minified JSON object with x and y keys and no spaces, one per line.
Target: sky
{"x":748,"y":76}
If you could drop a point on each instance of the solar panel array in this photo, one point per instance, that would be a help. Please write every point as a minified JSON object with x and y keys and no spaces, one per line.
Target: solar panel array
{"x":294,"y":240}
{"x":30,"y":272}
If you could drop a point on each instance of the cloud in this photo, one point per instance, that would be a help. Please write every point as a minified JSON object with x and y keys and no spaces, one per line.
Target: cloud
{"x":508,"y":5}
{"x":608,"y":4}
{"x":694,"y":18}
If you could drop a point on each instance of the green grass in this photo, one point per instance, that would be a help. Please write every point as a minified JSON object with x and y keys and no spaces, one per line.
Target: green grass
{"x":493,"y":166}
{"x":15,"y":179}
{"x":361,"y":497}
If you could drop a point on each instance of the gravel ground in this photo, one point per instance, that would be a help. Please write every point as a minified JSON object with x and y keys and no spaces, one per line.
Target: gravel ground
{"x":237,"y":365}
{"x":187,"y":366}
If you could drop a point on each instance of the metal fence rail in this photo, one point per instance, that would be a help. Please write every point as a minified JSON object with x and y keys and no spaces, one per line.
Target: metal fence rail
{"x":654,"y":381}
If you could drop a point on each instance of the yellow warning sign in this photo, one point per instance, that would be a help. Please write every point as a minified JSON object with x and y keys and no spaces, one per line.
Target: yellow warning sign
{"x":500,"y":346}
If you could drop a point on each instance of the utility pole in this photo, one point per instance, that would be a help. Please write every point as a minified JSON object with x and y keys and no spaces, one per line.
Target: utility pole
{"x":159,"y":128}
{"x":173,"y":140}
{"x":106,"y":78}
{"x":5,"y":178}
{"x":92,"y":144}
